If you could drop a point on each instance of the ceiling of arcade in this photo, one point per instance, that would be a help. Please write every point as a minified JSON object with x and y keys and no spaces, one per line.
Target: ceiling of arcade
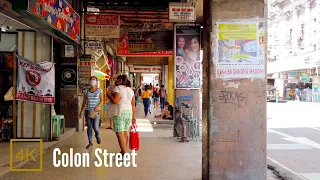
{"x":139,"y":15}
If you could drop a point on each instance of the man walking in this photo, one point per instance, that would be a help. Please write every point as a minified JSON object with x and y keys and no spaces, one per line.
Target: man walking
{"x":163,"y":97}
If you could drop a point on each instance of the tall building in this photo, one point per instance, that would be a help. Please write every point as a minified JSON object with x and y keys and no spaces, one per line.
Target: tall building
{"x":294,"y":47}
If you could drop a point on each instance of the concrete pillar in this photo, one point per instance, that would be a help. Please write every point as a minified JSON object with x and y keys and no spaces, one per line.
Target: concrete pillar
{"x":308,"y":32}
{"x":234,"y":137}
{"x":295,"y":30}
{"x":318,"y":24}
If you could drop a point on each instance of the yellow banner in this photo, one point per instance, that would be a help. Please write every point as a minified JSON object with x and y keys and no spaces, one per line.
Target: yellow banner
{"x":237,"y":31}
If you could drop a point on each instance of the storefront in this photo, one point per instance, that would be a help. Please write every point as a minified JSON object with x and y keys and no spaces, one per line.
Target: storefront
{"x":32,"y":107}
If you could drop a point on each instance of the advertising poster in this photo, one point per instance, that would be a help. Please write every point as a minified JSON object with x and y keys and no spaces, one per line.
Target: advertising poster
{"x":240,"y":51}
{"x":123,"y":50}
{"x":35,"y":82}
{"x":69,"y":73}
{"x":67,"y":20}
{"x":181,"y":12}
{"x":84,"y":72}
{"x":150,"y":41}
{"x":102,"y":25}
{"x":187,"y":57}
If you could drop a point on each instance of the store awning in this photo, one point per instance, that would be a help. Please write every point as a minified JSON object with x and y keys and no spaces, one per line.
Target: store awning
{"x":65,"y":25}
{"x":100,"y":75}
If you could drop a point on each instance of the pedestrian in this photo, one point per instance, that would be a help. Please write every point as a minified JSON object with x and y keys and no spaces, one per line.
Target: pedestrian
{"x":92,"y":101}
{"x":163,"y":97}
{"x":146,"y":94}
{"x":124,"y":96}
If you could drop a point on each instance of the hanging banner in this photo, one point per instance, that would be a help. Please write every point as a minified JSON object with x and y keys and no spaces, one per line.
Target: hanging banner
{"x":240,"y":52}
{"x":181,"y":12}
{"x":150,"y":41}
{"x":123,"y":50}
{"x":102,"y":25}
{"x":36,"y":82}
{"x":187,"y":57}
{"x":58,"y":14}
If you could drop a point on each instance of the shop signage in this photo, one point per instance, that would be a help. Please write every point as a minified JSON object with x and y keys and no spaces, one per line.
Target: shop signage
{"x":102,"y":25}
{"x":181,"y":12}
{"x":94,"y":45}
{"x":150,"y":41}
{"x":123,"y":50}
{"x":240,"y":52}
{"x":84,"y":66}
{"x":59,"y":15}
{"x":187,"y":57}
{"x":69,"y":51}
{"x":36,"y":82}
{"x":68,"y":71}
{"x":146,"y":69}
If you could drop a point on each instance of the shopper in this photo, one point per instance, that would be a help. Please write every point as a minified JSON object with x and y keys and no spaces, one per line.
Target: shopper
{"x":92,"y":101}
{"x":124,"y":96}
{"x":163,"y":97}
{"x":146,"y":94}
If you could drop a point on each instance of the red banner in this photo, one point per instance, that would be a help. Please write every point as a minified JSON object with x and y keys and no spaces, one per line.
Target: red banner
{"x":123,"y":50}
{"x":58,"y":14}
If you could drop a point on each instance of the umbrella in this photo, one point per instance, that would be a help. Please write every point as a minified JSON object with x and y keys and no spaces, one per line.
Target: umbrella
{"x":100,"y":75}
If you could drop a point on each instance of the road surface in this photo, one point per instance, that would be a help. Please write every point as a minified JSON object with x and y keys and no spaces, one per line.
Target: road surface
{"x":294,"y":137}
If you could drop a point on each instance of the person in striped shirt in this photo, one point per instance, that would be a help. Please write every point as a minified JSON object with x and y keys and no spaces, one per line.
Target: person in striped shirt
{"x":92,"y":101}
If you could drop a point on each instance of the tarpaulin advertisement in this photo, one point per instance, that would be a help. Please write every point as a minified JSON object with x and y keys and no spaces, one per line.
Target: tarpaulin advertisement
{"x":240,"y":51}
{"x":123,"y":50}
{"x":150,"y":41}
{"x":36,"y":82}
{"x":187,"y":57}
{"x":58,"y":14}
{"x":102,"y":25}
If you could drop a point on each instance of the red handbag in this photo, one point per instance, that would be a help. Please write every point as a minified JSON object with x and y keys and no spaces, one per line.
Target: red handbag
{"x":134,"y":137}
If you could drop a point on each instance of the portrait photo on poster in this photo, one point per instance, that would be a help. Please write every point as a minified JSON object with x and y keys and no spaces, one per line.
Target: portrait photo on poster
{"x":187,"y":57}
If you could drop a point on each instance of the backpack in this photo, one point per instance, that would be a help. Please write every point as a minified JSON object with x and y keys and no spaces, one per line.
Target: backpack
{"x":162,"y":93}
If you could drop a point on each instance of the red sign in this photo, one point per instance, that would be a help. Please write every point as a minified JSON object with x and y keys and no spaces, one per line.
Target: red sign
{"x":94,"y":19}
{"x":59,"y":15}
{"x":123,"y":50}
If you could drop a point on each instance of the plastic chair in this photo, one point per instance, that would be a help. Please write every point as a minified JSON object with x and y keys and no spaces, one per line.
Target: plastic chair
{"x":58,"y":121}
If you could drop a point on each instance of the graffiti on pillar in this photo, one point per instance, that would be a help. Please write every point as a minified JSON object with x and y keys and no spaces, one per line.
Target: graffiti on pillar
{"x":185,"y":98}
{"x":235,"y":98}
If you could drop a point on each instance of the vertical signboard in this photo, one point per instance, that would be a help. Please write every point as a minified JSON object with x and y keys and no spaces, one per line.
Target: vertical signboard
{"x":239,"y":53}
{"x":187,"y":57}
{"x":84,"y":72}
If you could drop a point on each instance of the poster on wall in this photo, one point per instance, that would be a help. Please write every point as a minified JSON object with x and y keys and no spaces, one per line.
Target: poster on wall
{"x":240,"y":52}
{"x":84,"y":73}
{"x":187,"y":57}
{"x":35,"y":82}
{"x":68,"y":71}
{"x":102,"y":25}
{"x":150,"y":41}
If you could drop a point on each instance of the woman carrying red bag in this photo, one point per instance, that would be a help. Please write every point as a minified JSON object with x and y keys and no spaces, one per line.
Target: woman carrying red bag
{"x":124,"y":96}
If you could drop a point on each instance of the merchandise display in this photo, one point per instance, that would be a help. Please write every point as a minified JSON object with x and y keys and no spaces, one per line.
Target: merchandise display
{"x":6,"y":96}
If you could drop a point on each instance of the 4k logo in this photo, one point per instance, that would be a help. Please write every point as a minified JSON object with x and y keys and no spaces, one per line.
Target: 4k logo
{"x":26,"y":150}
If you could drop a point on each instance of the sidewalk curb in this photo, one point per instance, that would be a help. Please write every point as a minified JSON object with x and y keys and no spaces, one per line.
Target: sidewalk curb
{"x":44,"y":150}
{"x":283,"y":172}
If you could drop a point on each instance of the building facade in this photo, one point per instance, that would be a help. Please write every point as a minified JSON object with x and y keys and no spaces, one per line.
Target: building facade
{"x":294,"y":47}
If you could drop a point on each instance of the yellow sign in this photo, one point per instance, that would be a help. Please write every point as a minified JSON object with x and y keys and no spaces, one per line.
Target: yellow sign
{"x":26,"y":154}
{"x":237,"y":31}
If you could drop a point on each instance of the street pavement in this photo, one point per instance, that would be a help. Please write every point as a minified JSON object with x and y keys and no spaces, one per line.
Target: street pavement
{"x":160,"y":157}
{"x":294,"y":137}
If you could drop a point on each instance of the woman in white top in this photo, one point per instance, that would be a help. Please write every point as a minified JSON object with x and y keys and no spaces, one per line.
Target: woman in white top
{"x":123,"y":96}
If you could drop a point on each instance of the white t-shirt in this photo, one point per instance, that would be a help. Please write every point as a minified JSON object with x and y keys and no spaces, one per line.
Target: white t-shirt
{"x":126,"y":95}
